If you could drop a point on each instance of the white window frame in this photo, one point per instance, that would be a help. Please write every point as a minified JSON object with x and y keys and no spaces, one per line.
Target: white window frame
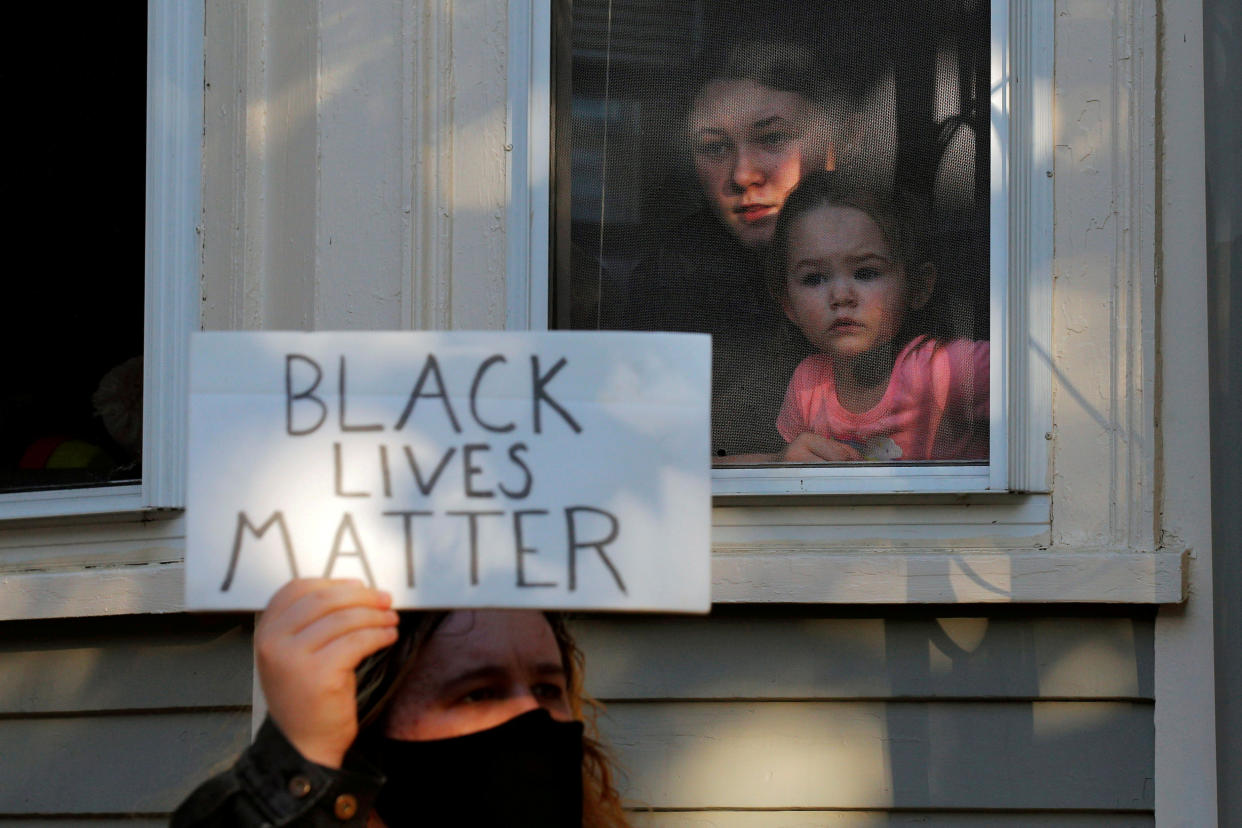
{"x":171,"y":271}
{"x":1021,"y":252}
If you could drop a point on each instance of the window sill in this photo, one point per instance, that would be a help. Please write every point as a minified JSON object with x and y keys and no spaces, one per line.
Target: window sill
{"x":793,"y":575}
{"x":57,"y":503}
{"x":949,"y":577}
{"x":802,"y":577}
{"x":934,"y":549}
{"x":120,"y":590}
{"x":114,"y":564}
{"x":735,"y":482}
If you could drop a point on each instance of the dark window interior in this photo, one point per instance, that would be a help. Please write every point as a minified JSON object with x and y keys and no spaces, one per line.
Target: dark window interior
{"x":73,"y":296}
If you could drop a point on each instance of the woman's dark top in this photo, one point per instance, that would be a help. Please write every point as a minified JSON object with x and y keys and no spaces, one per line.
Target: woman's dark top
{"x":701,"y":280}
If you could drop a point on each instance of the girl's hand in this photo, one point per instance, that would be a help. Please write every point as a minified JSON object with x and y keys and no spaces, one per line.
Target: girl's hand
{"x":308,"y":641}
{"x":814,"y":448}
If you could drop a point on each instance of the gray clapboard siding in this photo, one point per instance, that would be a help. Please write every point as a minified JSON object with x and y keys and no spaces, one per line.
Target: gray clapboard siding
{"x":742,"y":710}
{"x":126,"y":669}
{"x":111,"y":721}
{"x":824,"y":658}
{"x":729,"y":719}
{"x":141,"y":763}
{"x":876,"y":819}
{"x":874,"y":755}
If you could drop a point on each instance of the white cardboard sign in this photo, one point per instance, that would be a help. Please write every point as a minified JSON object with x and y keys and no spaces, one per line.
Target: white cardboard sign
{"x":552,"y":470}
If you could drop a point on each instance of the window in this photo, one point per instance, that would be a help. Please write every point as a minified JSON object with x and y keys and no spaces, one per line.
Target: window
{"x":78,"y":312}
{"x":934,"y":119}
{"x":93,"y":417}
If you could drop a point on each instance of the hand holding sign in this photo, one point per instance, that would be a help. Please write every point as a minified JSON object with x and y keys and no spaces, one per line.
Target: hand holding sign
{"x":537,"y":470}
{"x":307,"y":643}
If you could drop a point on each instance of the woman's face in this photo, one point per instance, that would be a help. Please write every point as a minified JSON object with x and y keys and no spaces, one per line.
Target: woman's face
{"x":751,"y":146}
{"x":480,"y":669}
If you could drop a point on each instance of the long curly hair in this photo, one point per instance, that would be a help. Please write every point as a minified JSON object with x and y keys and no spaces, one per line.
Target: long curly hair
{"x":379,"y":676}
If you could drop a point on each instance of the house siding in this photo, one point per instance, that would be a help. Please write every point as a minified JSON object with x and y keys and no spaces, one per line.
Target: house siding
{"x":751,"y":717}
{"x":757,"y":717}
{"x":112,"y":721}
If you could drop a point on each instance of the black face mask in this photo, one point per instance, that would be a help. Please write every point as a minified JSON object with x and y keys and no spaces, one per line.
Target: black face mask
{"x":524,"y":773}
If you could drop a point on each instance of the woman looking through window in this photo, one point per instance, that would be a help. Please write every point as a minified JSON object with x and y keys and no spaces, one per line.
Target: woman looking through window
{"x":756,"y":124}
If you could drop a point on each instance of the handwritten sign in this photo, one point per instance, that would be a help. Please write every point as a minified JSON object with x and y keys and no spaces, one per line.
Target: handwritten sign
{"x":553,"y":470}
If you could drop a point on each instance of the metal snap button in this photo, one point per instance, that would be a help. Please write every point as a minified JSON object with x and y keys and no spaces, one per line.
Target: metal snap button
{"x":345,"y":807}
{"x":299,"y":786}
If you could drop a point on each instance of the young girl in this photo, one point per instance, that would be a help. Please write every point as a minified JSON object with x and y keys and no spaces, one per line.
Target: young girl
{"x":849,"y":272}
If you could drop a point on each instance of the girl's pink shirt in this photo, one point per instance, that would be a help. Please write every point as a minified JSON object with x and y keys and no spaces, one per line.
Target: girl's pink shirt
{"x":935,"y":406}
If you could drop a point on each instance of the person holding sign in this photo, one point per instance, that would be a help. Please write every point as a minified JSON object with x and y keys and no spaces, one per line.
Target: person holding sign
{"x":469,"y":717}
{"x":453,"y":469}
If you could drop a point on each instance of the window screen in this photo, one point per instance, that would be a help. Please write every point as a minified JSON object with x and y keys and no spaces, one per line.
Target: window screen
{"x":71,"y":403}
{"x":806,"y":182}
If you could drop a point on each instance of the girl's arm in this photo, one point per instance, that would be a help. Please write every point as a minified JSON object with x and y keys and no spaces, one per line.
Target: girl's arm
{"x":970,"y":386}
{"x":982,"y":364}
{"x":804,"y":445}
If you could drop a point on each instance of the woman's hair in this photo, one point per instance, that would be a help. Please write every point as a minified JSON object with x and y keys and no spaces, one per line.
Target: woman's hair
{"x":777,"y":64}
{"x":901,"y":222}
{"x":380,"y":675}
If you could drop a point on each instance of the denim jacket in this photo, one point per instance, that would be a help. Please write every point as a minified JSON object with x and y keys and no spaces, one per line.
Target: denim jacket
{"x":272,"y":784}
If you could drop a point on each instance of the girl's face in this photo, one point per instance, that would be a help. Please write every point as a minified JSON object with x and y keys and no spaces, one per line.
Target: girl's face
{"x":478,"y":670}
{"x":843,"y":287}
{"x":751,"y":147}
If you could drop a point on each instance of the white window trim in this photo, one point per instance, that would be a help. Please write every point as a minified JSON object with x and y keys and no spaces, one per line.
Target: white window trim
{"x":173,"y":206}
{"x":1021,"y":247}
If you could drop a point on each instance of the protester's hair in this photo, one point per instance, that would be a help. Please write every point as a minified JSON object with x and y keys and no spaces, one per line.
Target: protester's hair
{"x":601,"y":804}
{"x":900,"y":221}
{"x":379,"y":676}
